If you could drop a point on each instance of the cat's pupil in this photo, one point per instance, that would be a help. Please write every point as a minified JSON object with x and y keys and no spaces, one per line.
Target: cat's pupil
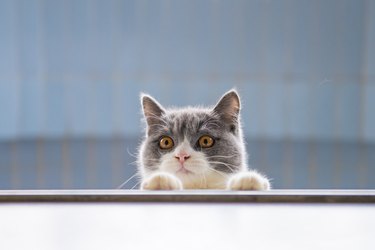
{"x":205,"y":141}
{"x":166,"y":143}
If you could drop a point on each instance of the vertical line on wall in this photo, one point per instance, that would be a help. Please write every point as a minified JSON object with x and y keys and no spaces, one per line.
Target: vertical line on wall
{"x":66,"y":163}
{"x":191,"y":76}
{"x":338,"y":76}
{"x":287,"y":163}
{"x":117,"y":131}
{"x":140,"y":17}
{"x":116,"y":71}
{"x":41,"y":168}
{"x":264,"y":83}
{"x":312,"y":146}
{"x":40,"y":163}
{"x":363,"y":163}
{"x":15,"y":177}
{"x":116,"y":167}
{"x":65,"y":79}
{"x":213,"y":74}
{"x":16,"y":171}
{"x":240,"y":77}
{"x":166,"y":78}
{"x":92,"y":153}
{"x":91,"y":141}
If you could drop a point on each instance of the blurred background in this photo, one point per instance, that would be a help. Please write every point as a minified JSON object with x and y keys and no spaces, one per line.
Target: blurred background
{"x":71,"y":72}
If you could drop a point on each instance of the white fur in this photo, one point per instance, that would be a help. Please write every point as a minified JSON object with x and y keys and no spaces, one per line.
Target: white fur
{"x":161,"y":181}
{"x":200,"y":176}
{"x":249,"y":180}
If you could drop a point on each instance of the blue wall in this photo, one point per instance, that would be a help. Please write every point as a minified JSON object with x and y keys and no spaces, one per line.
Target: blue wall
{"x":71,"y":72}
{"x":305,"y":69}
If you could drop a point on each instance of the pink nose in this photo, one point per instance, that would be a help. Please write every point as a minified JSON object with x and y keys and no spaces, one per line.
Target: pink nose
{"x":182,"y":157}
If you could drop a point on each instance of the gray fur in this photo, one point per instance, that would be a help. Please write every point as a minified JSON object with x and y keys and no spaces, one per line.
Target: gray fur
{"x":221,"y":122}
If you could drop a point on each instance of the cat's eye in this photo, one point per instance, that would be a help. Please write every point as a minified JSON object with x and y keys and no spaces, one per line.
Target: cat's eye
{"x":206,"y":141}
{"x":166,"y":142}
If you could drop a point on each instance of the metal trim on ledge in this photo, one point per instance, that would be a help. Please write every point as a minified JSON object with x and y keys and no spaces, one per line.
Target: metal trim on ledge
{"x":206,"y":196}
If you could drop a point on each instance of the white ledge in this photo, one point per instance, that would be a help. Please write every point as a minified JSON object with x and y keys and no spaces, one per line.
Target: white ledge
{"x":116,"y":195}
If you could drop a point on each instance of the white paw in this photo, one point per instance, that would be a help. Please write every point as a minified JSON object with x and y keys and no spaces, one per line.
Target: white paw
{"x":248,"y":181}
{"x":161,"y":181}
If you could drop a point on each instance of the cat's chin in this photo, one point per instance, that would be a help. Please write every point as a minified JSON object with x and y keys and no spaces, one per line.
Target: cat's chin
{"x":183,"y":171}
{"x":185,"y":175}
{"x":187,"y":170}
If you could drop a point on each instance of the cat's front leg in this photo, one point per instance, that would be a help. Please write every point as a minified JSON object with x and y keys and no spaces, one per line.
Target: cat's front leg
{"x":250,"y":180}
{"x":161,"y":181}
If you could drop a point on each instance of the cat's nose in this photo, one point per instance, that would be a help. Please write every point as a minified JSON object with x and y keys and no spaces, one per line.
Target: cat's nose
{"x":182,"y":157}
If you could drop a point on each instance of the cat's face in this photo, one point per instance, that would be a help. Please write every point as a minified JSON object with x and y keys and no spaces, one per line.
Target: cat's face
{"x":193,"y":143}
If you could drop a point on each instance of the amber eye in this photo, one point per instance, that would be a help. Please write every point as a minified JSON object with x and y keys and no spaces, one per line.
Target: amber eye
{"x":206,"y":141}
{"x":166,"y":142}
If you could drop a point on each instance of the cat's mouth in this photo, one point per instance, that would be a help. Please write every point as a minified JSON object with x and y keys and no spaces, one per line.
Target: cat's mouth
{"x":183,"y":170}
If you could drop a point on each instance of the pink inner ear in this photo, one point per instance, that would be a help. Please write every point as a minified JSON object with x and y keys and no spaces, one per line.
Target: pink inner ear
{"x":151,"y":107}
{"x":229,"y":106}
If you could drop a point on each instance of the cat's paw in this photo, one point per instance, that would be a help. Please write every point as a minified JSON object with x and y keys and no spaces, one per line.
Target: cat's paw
{"x":161,"y":181}
{"x":248,"y":181}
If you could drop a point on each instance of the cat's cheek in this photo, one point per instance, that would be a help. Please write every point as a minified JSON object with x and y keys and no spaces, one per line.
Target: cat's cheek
{"x":248,"y":181}
{"x":161,"y":181}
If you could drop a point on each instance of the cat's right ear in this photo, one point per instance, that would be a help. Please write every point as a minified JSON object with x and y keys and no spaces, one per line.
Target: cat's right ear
{"x":152,"y":110}
{"x":228,"y":108}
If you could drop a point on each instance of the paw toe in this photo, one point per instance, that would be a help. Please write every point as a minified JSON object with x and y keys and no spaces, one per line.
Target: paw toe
{"x":162,"y":182}
{"x":248,"y":181}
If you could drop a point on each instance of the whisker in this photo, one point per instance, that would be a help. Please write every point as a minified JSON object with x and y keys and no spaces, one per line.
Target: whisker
{"x":124,"y":183}
{"x":134,"y":163}
{"x":235,"y":166}
{"x":217,"y":171}
{"x":131,"y":154}
{"x":226,"y":164}
{"x":135,"y":185}
{"x":221,"y":156}
{"x":198,"y":162}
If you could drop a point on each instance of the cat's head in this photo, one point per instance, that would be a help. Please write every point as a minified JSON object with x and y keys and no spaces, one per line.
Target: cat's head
{"x":193,"y":143}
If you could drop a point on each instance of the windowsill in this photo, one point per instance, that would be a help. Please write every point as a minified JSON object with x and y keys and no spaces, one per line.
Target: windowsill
{"x":109,"y":195}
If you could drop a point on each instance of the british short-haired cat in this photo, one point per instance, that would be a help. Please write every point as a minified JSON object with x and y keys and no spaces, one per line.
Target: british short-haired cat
{"x":196,"y":148}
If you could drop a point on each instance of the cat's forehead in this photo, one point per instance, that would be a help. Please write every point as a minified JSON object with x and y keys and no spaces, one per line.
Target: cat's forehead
{"x":189,"y":114}
{"x":191,"y":120}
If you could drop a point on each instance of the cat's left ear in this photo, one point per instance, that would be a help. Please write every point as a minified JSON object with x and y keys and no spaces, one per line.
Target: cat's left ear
{"x":152,"y":110}
{"x":228,"y":108}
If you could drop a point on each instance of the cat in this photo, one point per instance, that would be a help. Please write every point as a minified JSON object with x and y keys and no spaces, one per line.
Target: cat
{"x":195,"y":148}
